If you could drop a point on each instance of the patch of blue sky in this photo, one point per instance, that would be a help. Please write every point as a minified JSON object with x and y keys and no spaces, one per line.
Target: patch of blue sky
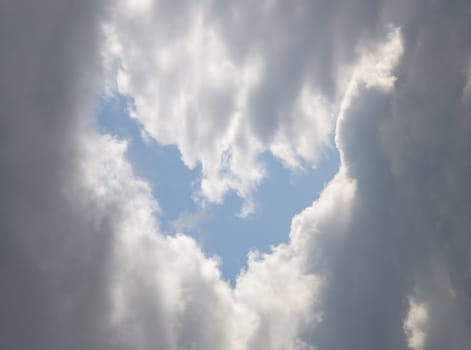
{"x":280,"y":196}
{"x":217,"y":228}
{"x":171,"y":181}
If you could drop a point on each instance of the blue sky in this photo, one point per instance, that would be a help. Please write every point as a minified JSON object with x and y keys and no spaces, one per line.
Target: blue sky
{"x":217,"y":227}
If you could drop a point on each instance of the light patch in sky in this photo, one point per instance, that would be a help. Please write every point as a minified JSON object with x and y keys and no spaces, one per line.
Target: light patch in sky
{"x":217,"y":227}
{"x":415,"y":324}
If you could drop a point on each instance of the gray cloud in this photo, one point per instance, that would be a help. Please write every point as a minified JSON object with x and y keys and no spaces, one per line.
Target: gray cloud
{"x":406,"y":152}
{"x":52,"y":259}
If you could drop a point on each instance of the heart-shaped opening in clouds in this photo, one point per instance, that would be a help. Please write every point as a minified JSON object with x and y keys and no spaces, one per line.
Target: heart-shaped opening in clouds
{"x":212,"y":123}
{"x":217,"y":227}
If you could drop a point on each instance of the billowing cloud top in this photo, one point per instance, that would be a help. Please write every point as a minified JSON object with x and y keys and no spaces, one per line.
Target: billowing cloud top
{"x":379,"y":261}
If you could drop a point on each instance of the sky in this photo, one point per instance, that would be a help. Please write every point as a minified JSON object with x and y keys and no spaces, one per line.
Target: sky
{"x":235,"y":175}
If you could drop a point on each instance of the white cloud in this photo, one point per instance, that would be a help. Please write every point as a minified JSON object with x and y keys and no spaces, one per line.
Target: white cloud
{"x":282,"y":295}
{"x":415,"y":325}
{"x":191,"y":90}
{"x":161,"y":288}
{"x":164,"y":289}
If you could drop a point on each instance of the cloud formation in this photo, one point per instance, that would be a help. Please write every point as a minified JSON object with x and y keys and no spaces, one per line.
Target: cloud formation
{"x":380,"y":259}
{"x":228,"y":82}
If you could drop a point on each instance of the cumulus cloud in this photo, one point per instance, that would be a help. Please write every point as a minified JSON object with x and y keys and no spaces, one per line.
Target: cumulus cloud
{"x":84,"y":263}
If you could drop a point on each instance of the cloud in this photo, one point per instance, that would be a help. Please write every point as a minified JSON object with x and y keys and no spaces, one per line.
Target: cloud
{"x":227,"y":82}
{"x":406,"y":206}
{"x":163,"y":289}
{"x":415,"y":323}
{"x":187,"y":221}
{"x":83,"y":263}
{"x":53,"y":255}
